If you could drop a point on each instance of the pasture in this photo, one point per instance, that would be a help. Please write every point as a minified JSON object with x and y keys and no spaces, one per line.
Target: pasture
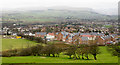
{"x":103,"y":57}
{"x":16,"y":43}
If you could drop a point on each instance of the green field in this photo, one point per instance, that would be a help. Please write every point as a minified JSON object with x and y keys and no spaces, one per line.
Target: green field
{"x":104,"y":57}
{"x":16,"y":43}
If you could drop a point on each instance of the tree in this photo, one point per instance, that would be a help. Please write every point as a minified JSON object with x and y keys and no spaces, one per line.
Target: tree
{"x":83,"y":49}
{"x":71,"y":51}
{"x":36,"y":49}
{"x":115,"y":48}
{"x":51,"y":49}
{"x":25,"y":52}
{"x":48,"y":29}
{"x":39,"y":39}
{"x":94,"y":50}
{"x":78,"y":52}
{"x":87,"y":51}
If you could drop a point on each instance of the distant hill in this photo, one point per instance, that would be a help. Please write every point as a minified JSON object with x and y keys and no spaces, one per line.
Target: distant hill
{"x":53,"y":15}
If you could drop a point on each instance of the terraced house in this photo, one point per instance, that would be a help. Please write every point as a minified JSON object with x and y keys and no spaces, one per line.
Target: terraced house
{"x":84,"y":38}
{"x":78,"y":38}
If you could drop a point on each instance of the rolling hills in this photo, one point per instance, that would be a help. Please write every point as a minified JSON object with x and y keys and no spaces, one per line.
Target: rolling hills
{"x":53,"y":15}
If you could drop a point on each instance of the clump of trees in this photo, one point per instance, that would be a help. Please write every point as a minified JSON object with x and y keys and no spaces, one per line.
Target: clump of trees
{"x":29,"y":51}
{"x":34,"y":51}
{"x":9,"y":53}
{"x":38,"y":50}
{"x":51,"y":50}
{"x":114,"y":49}
{"x":94,"y":50}
{"x":82,"y":50}
{"x":70,"y":51}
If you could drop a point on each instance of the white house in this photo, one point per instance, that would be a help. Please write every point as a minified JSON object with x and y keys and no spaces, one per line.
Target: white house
{"x":50,"y":36}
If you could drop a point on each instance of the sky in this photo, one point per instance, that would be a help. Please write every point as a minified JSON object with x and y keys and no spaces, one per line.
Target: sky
{"x":94,"y":4}
{"x":49,"y":3}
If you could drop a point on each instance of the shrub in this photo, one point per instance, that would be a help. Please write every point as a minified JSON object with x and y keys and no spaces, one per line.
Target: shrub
{"x":35,"y":50}
{"x":25,"y":52}
{"x":10,"y":53}
{"x":6,"y":54}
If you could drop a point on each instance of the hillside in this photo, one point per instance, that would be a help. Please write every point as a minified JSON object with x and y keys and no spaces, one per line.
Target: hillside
{"x":53,"y":15}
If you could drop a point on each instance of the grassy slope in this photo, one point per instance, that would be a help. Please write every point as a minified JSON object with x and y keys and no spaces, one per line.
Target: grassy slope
{"x":104,"y":57}
{"x":16,"y":43}
{"x":54,"y":15}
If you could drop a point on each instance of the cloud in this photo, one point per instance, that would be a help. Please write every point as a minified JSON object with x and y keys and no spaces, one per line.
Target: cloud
{"x":49,"y":3}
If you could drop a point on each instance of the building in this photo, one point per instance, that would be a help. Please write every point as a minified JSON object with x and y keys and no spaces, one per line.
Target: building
{"x":50,"y":36}
{"x":40,"y":34}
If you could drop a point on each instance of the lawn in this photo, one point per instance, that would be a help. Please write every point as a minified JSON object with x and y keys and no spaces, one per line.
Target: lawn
{"x":16,"y":43}
{"x":104,"y":57}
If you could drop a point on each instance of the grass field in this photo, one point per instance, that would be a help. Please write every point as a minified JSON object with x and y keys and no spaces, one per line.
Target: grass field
{"x":104,"y":57}
{"x":16,"y":43}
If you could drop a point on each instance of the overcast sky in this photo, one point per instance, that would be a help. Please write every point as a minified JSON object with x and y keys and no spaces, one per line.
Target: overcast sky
{"x":48,"y":3}
{"x":109,"y":6}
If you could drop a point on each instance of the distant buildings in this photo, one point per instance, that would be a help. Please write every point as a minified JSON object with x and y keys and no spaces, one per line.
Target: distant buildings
{"x":40,"y":34}
{"x":84,"y":38}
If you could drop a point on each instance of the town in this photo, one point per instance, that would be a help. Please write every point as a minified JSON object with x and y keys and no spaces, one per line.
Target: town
{"x":73,"y":32}
{"x":68,"y":32}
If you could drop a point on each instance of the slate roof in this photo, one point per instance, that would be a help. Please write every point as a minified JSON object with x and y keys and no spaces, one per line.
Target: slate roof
{"x":107,"y":37}
{"x":75,"y":33}
{"x":41,"y":33}
{"x":71,"y":36}
{"x":84,"y":38}
{"x":84,"y":34}
{"x":64,"y":34}
{"x":101,"y":34}
{"x":114,"y":35}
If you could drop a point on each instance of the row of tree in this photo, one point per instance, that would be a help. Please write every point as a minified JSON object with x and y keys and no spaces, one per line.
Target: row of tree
{"x":73,"y":51}
{"x":82,"y":50}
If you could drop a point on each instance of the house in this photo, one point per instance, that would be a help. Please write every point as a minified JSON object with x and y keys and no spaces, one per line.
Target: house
{"x":50,"y":36}
{"x":14,"y":34}
{"x":59,"y":36}
{"x":75,"y":38}
{"x":84,"y":40}
{"x":65,"y":35}
{"x":69,"y":38}
{"x":102,"y":40}
{"x":107,"y":38}
{"x":40,"y":34}
{"x":31,"y":34}
{"x":114,"y":37}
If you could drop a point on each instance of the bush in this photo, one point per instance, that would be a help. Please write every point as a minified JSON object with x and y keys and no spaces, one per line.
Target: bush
{"x":51,"y":49}
{"x":9,"y":53}
{"x":6,"y":54}
{"x":35,"y":50}
{"x":25,"y":52}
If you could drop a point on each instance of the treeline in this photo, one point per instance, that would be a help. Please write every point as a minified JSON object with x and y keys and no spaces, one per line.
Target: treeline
{"x":73,"y":51}
{"x":38,"y":50}
{"x":33,"y":38}
{"x":82,"y":50}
